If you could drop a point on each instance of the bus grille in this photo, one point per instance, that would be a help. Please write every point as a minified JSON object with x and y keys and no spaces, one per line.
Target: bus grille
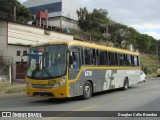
{"x":43,"y":94}
{"x":42,"y":85}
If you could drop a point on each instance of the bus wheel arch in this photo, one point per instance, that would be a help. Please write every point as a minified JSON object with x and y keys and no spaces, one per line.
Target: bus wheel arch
{"x":125,"y":84}
{"x":87,"y":89}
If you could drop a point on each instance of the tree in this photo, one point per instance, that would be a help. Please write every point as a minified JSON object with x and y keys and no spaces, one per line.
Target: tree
{"x":92,"y":21}
{"x":82,"y":14}
{"x":98,"y":23}
{"x":96,"y":19}
{"x":7,"y":9}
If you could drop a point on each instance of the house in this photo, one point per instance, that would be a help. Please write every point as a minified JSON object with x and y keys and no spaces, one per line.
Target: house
{"x":61,"y":13}
{"x":16,"y":39}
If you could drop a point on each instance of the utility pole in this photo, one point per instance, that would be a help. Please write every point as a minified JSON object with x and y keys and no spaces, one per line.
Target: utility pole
{"x":14,"y":14}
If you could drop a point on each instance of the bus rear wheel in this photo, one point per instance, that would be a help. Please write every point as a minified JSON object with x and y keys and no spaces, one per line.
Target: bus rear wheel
{"x":125,"y":85}
{"x":87,"y":90}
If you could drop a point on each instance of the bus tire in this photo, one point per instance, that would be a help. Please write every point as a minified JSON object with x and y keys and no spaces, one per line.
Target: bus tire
{"x":87,"y":90}
{"x":126,"y":84}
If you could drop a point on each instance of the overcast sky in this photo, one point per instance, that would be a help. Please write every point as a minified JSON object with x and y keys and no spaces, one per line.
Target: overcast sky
{"x":143,"y":15}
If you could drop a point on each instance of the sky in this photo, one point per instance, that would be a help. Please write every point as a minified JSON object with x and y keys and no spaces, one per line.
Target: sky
{"x":143,"y":15}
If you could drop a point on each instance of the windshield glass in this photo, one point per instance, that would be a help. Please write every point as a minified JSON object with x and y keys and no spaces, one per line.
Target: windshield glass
{"x":47,"y":62}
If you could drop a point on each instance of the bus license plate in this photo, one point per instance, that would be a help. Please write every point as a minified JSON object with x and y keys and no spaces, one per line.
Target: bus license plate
{"x":42,"y":91}
{"x":51,"y":82}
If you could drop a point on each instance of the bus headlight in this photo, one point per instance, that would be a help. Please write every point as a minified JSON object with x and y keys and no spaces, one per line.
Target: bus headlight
{"x":60,"y":83}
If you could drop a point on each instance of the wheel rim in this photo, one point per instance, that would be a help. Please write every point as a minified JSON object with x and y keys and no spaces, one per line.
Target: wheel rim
{"x":87,"y":90}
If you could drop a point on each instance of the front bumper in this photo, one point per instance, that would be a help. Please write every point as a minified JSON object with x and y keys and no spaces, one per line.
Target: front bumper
{"x":59,"y":92}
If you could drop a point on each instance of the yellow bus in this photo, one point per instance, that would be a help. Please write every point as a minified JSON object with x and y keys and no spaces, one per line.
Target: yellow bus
{"x":75,"y":68}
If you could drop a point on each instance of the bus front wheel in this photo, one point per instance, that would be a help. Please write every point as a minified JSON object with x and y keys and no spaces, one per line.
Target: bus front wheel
{"x":87,"y":90}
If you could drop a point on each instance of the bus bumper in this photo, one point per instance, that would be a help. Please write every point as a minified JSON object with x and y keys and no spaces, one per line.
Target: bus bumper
{"x":47,"y":93}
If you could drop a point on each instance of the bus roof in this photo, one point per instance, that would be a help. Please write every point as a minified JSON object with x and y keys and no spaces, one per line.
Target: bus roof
{"x":89,"y":45}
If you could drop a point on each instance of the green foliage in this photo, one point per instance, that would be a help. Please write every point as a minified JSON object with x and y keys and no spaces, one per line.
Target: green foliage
{"x":149,"y":63}
{"x":82,"y":14}
{"x":97,"y":22}
{"x":7,"y":9}
{"x":118,"y":32}
{"x":90,"y":22}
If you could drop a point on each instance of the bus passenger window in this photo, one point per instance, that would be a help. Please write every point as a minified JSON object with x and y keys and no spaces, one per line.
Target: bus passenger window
{"x":128,"y":60}
{"x":136,"y":63}
{"x":121,"y":59}
{"x":116,"y":58}
{"x":112,"y":58}
{"x":107,"y":58}
{"x":102,"y":58}
{"x":76,"y":60}
{"x":87,"y":54}
{"x":93,"y":56}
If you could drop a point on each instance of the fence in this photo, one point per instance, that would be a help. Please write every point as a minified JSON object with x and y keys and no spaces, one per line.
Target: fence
{"x":6,"y":68}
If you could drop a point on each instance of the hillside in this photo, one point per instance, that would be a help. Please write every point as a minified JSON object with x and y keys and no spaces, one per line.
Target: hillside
{"x":149,"y":63}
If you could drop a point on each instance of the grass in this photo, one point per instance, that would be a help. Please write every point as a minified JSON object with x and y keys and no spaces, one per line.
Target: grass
{"x":149,"y":63}
{"x":6,"y":88}
{"x":151,"y":75}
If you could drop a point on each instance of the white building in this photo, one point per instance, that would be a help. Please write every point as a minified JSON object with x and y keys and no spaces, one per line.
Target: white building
{"x":61,"y":13}
{"x":16,"y":39}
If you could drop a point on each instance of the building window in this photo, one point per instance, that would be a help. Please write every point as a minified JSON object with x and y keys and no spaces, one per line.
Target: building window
{"x":53,"y":7}
{"x":25,"y":52}
{"x":18,"y":53}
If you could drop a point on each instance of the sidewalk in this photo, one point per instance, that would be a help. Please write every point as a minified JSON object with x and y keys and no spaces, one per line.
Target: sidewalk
{"x":17,"y":82}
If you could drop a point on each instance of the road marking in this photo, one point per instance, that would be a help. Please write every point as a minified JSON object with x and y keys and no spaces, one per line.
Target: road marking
{"x":70,"y":113}
{"x":87,"y":108}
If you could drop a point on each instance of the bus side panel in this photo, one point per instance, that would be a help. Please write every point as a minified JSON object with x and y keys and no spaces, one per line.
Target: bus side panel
{"x":96,"y":76}
{"x":103,"y":79}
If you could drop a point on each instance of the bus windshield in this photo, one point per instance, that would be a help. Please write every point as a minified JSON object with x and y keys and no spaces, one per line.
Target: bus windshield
{"x":47,"y":62}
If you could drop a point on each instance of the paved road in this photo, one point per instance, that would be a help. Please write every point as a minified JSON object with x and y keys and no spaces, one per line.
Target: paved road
{"x":141,"y":97}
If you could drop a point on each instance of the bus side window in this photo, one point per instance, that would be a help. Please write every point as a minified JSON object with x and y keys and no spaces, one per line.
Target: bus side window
{"x":132,"y":60}
{"x":116,"y":58}
{"x":87,"y":56}
{"x":136,"y":62}
{"x":124,"y":58}
{"x":112,"y":58}
{"x":102,"y":58}
{"x":93,"y":57}
{"x":97,"y":57}
{"x":107,"y":58}
{"x":121,"y":59}
{"x":75,"y":56}
{"x":76,"y":60}
{"x":128,"y":60}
